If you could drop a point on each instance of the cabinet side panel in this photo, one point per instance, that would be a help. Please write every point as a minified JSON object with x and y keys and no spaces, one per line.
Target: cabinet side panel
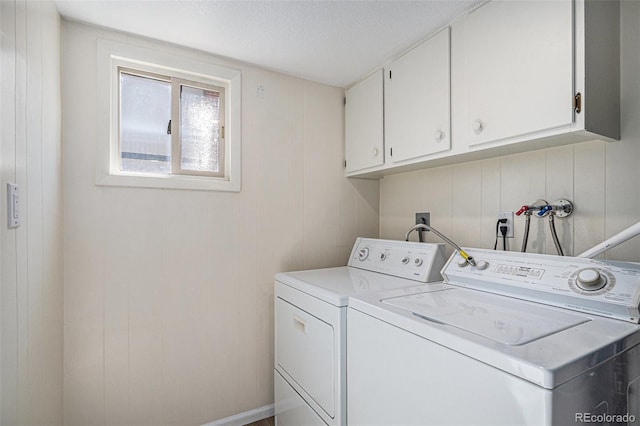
{"x":602,"y":57}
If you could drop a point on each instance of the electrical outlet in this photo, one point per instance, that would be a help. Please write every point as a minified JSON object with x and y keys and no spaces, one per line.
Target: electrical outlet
{"x":509,"y":224}
{"x":423,"y":218}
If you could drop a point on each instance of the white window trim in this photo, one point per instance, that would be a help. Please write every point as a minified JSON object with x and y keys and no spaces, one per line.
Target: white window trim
{"x":112,"y":55}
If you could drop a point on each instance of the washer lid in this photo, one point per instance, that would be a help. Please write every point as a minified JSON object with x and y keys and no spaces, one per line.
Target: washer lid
{"x":542,"y":344}
{"x":515,"y":323}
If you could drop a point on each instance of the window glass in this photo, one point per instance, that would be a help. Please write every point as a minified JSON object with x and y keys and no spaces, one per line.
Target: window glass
{"x":145,"y":111}
{"x":200,"y":130}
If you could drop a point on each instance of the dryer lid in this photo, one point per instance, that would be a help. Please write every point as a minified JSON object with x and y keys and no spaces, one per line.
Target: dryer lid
{"x":503,"y":320}
{"x":336,"y":285}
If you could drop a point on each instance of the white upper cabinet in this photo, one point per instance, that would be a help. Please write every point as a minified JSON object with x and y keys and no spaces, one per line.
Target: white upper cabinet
{"x":518,"y":68}
{"x":534,"y":74}
{"x":417,"y":96}
{"x":511,"y":76}
{"x":364,"y":137}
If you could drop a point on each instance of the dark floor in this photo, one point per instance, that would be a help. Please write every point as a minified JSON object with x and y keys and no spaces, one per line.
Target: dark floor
{"x":264,"y":422}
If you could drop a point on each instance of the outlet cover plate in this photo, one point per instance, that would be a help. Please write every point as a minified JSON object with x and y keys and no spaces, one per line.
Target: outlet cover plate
{"x":423,"y":218}
{"x":509,"y":217}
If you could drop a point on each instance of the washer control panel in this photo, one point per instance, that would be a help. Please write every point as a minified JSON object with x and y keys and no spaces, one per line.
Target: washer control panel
{"x":405,"y":259}
{"x":598,"y":287}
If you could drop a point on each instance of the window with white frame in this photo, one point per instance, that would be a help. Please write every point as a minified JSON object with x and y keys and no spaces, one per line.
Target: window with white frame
{"x":173,"y":123}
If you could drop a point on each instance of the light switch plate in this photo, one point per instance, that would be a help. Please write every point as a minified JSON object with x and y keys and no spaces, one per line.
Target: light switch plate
{"x":13,"y":205}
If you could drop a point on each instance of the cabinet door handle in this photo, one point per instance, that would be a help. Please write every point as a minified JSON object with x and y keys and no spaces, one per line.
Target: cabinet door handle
{"x":477,"y":127}
{"x":375,"y":152}
{"x":300,"y":324}
{"x":438,"y":135}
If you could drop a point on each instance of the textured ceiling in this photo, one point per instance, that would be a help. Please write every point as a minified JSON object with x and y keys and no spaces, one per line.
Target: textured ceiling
{"x":334,"y":42}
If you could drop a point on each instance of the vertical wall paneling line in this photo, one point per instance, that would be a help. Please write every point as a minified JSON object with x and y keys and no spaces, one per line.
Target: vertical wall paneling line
{"x":128,"y":413}
{"x":164,"y":264}
{"x":451,"y":206}
{"x":606,"y":198}
{"x":336,"y":161}
{"x":35,"y":244}
{"x":500,"y":202}
{"x":559,"y":185}
{"x":482,"y":201}
{"x":486,"y":207}
{"x":549,"y":248}
{"x":2,"y":183}
{"x":101,"y":417}
{"x":572,"y":228}
{"x":574,"y":193}
{"x":500,"y":190}
{"x":500,"y":186}
{"x":290,"y":158}
{"x":8,"y":408}
{"x":336,"y":212}
{"x":589,"y":195}
{"x":41,"y":111}
{"x":22,"y":281}
{"x":304,"y":201}
{"x":27,"y":206}
{"x":296,"y":167}
{"x":305,"y":148}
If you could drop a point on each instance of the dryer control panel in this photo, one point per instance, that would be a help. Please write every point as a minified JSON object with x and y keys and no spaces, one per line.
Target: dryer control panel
{"x":599,"y":287}
{"x":406,"y":259}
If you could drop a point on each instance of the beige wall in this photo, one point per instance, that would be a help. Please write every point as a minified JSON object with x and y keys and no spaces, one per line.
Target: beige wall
{"x":601,"y":180}
{"x":168,"y":293}
{"x":30,"y":256}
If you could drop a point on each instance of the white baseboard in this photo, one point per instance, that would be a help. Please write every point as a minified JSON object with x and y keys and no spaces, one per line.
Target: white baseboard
{"x":246,"y":417}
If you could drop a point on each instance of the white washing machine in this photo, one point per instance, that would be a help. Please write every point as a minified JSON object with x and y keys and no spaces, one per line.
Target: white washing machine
{"x":310,"y":324}
{"x":518,"y":339}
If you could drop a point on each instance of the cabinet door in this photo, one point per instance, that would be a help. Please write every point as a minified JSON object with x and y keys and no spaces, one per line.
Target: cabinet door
{"x":519,"y":68}
{"x":417,"y":93}
{"x":364,"y":143}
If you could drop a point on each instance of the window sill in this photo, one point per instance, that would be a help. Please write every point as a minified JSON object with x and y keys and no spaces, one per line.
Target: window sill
{"x":199,"y":183}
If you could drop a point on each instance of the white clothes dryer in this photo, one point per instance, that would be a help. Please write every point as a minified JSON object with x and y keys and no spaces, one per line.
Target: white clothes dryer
{"x":310,"y":324}
{"x":518,"y":339}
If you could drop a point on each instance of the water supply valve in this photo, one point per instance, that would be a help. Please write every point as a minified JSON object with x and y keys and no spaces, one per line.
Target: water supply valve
{"x":560,"y":208}
{"x":544,"y":210}
{"x":528,"y":209}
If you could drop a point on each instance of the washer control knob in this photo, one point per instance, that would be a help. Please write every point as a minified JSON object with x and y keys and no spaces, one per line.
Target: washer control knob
{"x":482,"y":265}
{"x":418,"y":262}
{"x":383,"y":256}
{"x":363,"y":253}
{"x":405,"y":260}
{"x":590,"y":279}
{"x":462,"y":262}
